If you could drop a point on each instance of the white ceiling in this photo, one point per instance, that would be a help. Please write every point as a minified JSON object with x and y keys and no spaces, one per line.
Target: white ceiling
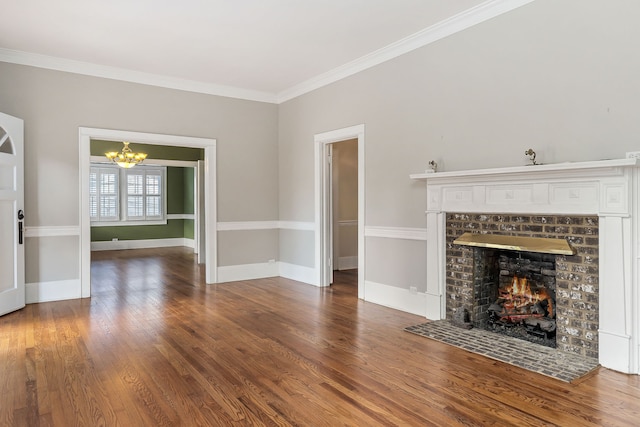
{"x":269,"y":50}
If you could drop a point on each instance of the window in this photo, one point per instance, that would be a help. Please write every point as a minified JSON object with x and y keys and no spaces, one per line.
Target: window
{"x":127,"y":196}
{"x":103,"y":194}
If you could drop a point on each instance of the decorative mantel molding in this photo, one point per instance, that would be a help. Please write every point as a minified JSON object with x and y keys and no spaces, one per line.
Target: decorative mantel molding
{"x":606,"y":188}
{"x":565,"y":188}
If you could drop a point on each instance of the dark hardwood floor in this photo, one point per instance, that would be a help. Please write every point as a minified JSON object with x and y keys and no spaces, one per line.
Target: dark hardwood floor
{"x":155,"y":346}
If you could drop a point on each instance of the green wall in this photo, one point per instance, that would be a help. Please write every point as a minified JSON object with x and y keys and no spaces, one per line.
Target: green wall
{"x":180,"y":194}
{"x":173,"y":229}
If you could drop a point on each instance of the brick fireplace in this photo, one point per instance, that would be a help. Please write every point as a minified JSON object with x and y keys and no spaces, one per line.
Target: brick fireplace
{"x":593,"y":205}
{"x":572,"y":279}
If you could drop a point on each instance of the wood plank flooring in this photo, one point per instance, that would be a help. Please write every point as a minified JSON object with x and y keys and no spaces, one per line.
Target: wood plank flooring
{"x":155,"y":346}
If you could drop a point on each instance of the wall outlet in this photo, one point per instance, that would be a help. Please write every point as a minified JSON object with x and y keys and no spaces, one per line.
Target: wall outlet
{"x":633,"y":155}
{"x":413,"y":290}
{"x":114,"y":239}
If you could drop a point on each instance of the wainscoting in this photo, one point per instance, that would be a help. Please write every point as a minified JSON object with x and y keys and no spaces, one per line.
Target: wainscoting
{"x":386,"y":291}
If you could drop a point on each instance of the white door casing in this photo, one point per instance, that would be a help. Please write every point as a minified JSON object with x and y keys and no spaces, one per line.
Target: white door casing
{"x":210,"y":196}
{"x":322,"y":224}
{"x":12,"y":290}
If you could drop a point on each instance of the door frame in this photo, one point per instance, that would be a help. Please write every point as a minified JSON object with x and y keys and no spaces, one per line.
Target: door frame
{"x":210,"y":199}
{"x":322,"y":194}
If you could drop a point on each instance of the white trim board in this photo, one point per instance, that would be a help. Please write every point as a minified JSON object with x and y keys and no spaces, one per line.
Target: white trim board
{"x":396,"y":298}
{"x":460,"y":22}
{"x":265,"y":225}
{"x":296,"y":225}
{"x":52,"y":291}
{"x":247,"y":225}
{"x":52,"y":231}
{"x":296,"y":272}
{"x":116,"y":245}
{"x":396,"y":233}
{"x":126,"y":75}
{"x":152,"y":162}
{"x":180,"y":216}
{"x":347,"y":262}
{"x":234,"y":273}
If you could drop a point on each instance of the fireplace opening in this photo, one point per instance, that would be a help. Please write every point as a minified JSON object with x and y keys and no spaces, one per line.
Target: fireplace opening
{"x":515,"y":294}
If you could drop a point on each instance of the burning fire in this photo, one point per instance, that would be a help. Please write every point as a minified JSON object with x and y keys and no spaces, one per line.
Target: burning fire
{"x":519,"y":299}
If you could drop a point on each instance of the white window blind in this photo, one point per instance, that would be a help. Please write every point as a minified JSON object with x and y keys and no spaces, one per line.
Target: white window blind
{"x":103,"y":194}
{"x":127,"y":196}
{"x":134,"y":196}
{"x":153,"y":195}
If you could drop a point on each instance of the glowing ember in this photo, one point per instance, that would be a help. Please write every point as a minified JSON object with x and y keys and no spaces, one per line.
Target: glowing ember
{"x":518,"y":301}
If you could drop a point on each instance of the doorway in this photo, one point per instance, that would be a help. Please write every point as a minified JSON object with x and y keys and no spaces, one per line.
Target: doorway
{"x":210,"y":212}
{"x":324,"y":227}
{"x":344,"y":205}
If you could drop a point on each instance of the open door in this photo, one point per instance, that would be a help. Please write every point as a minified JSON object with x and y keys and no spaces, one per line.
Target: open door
{"x":328,"y":185}
{"x":12,"y":294}
{"x":201,"y":232}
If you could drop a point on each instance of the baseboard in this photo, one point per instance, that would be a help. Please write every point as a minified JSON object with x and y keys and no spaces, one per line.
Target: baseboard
{"x":396,"y":298}
{"x":52,"y":291}
{"x":298,"y":272}
{"x":141,"y":244}
{"x":347,"y":262}
{"x":615,"y":351}
{"x":234,"y":273}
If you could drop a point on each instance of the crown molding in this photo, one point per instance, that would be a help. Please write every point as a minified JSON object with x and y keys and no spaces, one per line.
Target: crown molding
{"x":470,"y":17}
{"x":114,"y":73}
{"x":483,"y":12}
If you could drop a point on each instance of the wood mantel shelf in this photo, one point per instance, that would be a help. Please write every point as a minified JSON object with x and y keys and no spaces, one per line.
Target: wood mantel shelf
{"x":529,"y":169}
{"x":516,"y":243}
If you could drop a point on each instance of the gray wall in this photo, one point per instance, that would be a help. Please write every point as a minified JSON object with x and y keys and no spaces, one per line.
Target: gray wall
{"x":560,"y":77}
{"x":54,"y":104}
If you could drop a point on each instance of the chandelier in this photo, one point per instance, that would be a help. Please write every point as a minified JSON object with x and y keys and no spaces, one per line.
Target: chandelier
{"x":126,"y":158}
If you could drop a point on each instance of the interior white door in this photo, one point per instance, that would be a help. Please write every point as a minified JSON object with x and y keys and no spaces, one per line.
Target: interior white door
{"x":329,"y":214}
{"x":12,"y":294}
{"x":201,"y":232}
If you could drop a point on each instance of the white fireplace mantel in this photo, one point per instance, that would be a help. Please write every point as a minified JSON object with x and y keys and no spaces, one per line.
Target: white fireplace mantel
{"x":607,"y":188}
